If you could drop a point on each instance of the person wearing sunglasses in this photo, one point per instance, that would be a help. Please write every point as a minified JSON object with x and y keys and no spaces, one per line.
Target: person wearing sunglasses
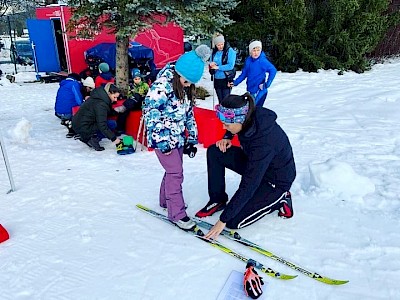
{"x":255,"y":69}
{"x":171,"y":127}
{"x":265,"y":161}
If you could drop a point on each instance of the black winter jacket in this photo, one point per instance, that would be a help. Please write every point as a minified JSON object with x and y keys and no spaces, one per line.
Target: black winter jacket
{"x":92,"y":115}
{"x":270,"y":160}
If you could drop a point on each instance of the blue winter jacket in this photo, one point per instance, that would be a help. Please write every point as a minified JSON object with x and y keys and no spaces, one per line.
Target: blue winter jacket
{"x":166,"y":117}
{"x":68,"y":96}
{"x":255,"y":71}
{"x":269,"y":160}
{"x":230,"y":65}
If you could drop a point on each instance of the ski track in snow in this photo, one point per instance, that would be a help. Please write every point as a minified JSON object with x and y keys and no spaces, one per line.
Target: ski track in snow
{"x":76,"y":234}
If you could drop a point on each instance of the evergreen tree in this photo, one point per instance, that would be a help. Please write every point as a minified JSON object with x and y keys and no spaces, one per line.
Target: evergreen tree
{"x":279,"y":24}
{"x":127,"y":18}
{"x":313,"y":34}
{"x":344,"y":31}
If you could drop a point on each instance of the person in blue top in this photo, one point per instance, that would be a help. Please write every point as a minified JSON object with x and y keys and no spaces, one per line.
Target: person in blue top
{"x":68,"y":95}
{"x":222,"y":66}
{"x":255,"y":69}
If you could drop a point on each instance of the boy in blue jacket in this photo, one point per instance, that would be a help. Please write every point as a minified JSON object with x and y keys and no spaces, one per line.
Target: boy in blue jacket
{"x":68,"y":95}
{"x":255,"y":69}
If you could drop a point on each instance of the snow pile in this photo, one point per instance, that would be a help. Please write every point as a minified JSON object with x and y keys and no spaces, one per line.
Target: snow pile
{"x":21,"y":132}
{"x":341,"y":179}
{"x":4,"y":81}
{"x":27,"y":75}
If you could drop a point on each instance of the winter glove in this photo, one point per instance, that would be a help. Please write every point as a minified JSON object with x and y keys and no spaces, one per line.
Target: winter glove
{"x":190,"y":150}
{"x":252,"y":282}
{"x":212,"y":71}
{"x":123,"y":149}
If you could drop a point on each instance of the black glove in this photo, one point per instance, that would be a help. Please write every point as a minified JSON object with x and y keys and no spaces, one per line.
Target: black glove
{"x":252,"y":282}
{"x":190,"y":150}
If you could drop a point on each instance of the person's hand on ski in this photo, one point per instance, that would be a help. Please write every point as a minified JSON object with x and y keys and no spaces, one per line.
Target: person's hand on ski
{"x":224,"y":144}
{"x":215,"y":230}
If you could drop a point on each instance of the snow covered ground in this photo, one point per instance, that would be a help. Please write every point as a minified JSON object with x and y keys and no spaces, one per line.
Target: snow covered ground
{"x":76,"y":233}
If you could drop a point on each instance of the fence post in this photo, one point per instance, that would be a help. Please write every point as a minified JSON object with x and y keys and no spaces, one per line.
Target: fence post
{"x":3,"y":150}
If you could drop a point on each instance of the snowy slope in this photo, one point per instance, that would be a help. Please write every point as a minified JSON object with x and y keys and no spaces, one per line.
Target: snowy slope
{"x":76,"y":234}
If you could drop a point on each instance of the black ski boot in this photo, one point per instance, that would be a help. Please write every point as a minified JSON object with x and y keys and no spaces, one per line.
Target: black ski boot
{"x":286,"y":209}
{"x":71,"y":133}
{"x":94,"y":143}
{"x":210,"y":209}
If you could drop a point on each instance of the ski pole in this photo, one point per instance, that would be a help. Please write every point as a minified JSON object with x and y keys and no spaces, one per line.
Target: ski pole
{"x":139,"y":132}
{"x":3,"y":150}
{"x":143,"y":135}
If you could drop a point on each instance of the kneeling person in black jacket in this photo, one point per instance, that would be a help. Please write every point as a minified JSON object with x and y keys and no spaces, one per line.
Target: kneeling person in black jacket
{"x":265,"y":161}
{"x":90,"y":121}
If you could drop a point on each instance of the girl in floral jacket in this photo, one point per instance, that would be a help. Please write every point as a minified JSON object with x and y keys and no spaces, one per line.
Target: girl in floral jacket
{"x":171,"y":127}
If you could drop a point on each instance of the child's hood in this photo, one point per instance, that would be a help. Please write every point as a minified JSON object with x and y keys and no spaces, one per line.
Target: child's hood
{"x":167,"y":71}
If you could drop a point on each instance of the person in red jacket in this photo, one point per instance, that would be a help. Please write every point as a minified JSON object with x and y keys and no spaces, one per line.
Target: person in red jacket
{"x":104,"y":76}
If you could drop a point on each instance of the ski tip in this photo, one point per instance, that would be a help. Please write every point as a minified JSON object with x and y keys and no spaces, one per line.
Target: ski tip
{"x":286,"y":277}
{"x":332,"y":281}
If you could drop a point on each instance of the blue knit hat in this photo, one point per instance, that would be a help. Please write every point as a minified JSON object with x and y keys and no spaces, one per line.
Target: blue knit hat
{"x":191,"y":64}
{"x":136,"y":73}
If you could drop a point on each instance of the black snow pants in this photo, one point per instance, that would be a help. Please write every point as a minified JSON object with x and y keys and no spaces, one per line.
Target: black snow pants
{"x":265,"y":200}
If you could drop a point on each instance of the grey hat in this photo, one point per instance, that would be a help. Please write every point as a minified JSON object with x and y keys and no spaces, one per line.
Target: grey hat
{"x":218,"y":39}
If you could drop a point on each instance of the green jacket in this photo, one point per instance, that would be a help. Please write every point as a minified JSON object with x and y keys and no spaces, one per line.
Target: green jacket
{"x":142,"y":88}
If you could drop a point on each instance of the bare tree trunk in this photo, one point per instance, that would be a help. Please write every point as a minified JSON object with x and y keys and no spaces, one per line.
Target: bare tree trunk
{"x":122,"y":68}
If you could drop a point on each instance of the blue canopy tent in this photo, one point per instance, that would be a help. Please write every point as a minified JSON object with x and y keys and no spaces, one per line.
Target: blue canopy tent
{"x":107,"y":52}
{"x":139,"y":55}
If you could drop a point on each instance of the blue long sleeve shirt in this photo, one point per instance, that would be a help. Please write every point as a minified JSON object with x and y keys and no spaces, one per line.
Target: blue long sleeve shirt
{"x":255,"y":71}
{"x":219,"y":74}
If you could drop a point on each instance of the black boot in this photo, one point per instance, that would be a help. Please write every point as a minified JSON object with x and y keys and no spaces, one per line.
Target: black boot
{"x":71,"y":133}
{"x":210,"y":209}
{"x":286,"y":209}
{"x":94,"y":143}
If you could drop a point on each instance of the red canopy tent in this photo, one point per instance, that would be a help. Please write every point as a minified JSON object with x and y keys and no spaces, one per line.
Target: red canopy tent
{"x":58,"y":50}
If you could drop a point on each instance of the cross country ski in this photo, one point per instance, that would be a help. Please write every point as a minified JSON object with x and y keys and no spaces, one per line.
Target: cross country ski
{"x":200,"y":235}
{"x":235,"y":236}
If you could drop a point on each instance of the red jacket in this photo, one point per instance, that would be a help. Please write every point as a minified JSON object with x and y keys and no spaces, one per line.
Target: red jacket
{"x":103,"y":78}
